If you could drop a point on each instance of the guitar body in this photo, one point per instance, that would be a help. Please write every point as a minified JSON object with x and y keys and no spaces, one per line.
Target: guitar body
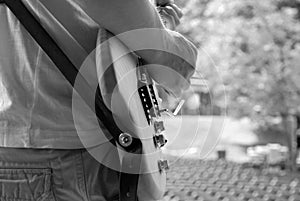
{"x":135,"y":107}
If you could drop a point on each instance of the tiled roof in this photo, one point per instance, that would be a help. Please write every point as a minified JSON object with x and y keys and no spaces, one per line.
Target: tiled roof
{"x":218,"y":180}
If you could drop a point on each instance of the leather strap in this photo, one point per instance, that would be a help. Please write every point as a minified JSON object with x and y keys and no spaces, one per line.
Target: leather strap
{"x":128,"y":182}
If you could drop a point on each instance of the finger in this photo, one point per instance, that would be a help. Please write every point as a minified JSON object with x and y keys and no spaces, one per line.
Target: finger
{"x":164,"y":2}
{"x":175,"y":93}
{"x":177,"y":9}
{"x":169,"y":21}
{"x":172,"y":13}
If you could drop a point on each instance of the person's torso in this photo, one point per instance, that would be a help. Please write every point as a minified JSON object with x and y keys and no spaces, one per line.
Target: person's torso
{"x":35,"y":98}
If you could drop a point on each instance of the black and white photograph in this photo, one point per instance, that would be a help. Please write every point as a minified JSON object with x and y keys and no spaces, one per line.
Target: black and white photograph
{"x":149,"y":100}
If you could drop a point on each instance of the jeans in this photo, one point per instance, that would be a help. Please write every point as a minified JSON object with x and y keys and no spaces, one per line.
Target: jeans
{"x":55,"y":175}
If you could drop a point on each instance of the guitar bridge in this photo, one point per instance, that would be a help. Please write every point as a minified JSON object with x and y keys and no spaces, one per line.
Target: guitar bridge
{"x":152,"y":93}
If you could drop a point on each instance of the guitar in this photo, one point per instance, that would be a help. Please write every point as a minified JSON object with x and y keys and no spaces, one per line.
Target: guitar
{"x":134,"y":102}
{"x":135,"y":106}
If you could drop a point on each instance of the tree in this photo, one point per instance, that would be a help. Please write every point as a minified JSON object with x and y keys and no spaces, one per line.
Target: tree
{"x":255,"y":47}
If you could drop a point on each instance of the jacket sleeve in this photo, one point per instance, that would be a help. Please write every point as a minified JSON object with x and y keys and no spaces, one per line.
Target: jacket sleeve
{"x":119,"y":16}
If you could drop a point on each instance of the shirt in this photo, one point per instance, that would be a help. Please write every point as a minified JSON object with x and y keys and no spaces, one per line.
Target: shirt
{"x":35,"y":98}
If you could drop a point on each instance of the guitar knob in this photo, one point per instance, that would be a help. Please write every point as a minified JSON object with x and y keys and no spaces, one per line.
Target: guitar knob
{"x":159,"y":127}
{"x":163,"y":165}
{"x":160,"y":140}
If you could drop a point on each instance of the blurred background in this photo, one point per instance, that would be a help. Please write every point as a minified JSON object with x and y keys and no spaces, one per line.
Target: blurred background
{"x":235,"y":138}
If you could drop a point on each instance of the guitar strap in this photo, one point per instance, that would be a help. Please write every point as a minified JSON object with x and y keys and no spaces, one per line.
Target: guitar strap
{"x":128,"y":182}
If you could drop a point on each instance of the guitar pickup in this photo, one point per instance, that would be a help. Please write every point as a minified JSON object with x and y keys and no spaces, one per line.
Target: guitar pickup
{"x":159,"y":140}
{"x":159,"y":127}
{"x":163,"y":165}
{"x":146,"y":102}
{"x":152,"y":93}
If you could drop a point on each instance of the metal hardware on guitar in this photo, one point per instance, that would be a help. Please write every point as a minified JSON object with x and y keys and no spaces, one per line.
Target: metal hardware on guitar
{"x":151,"y":108}
{"x":146,"y":101}
{"x":125,"y":139}
{"x":179,"y":106}
{"x":172,"y":114}
{"x":159,"y":127}
{"x":148,"y":96}
{"x":159,"y":140}
{"x":166,"y":111}
{"x":163,"y":165}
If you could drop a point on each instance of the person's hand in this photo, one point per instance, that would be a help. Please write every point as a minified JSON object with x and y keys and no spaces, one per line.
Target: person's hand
{"x":169,"y":12}
{"x":173,"y":72}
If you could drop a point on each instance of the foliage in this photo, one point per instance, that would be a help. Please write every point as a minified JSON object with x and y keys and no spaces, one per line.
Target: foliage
{"x":255,"y":48}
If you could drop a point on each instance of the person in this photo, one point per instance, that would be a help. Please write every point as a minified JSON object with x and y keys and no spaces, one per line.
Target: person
{"x":41,"y":156}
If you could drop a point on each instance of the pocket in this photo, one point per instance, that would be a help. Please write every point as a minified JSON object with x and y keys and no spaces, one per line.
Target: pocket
{"x":25,"y":184}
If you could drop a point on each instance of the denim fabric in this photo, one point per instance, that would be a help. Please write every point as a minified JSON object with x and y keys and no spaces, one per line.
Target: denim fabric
{"x":54,"y":175}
